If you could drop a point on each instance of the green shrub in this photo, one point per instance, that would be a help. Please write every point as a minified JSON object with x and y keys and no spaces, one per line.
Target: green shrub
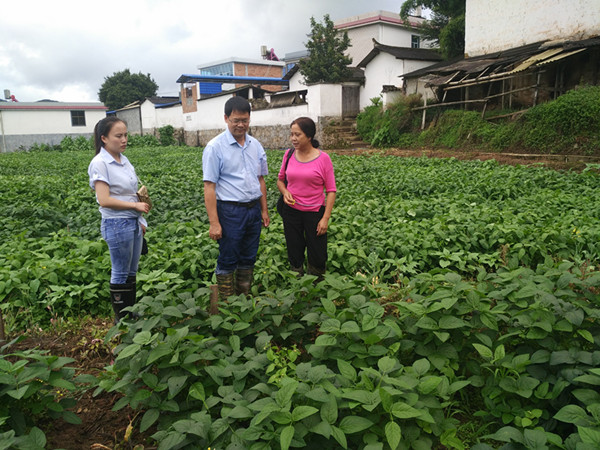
{"x":79,"y":143}
{"x":147,"y":140}
{"x":385,"y":128}
{"x":368,"y":119}
{"x":166,"y":136}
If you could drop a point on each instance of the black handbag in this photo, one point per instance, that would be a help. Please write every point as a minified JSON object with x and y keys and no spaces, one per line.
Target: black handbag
{"x":280,"y":201}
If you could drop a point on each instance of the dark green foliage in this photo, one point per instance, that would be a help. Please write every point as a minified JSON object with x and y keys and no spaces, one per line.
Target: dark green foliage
{"x":138,"y":141}
{"x":79,"y":143}
{"x":455,"y":129}
{"x":569,"y":123}
{"x":123,"y":88}
{"x":446,"y":28}
{"x":389,"y":127}
{"x":326,"y":62}
{"x":166,"y":135}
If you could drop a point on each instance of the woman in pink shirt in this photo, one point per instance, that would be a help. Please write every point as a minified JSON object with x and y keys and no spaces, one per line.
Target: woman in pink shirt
{"x":303,"y":180}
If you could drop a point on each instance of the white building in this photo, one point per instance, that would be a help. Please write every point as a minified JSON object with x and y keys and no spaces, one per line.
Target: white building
{"x":23,"y":124}
{"x":385,"y":27}
{"x":153,"y":113}
{"x":385,"y":65}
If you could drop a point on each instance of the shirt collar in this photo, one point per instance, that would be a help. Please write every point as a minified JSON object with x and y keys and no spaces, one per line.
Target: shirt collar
{"x":231,"y":140}
{"x":108,"y":158}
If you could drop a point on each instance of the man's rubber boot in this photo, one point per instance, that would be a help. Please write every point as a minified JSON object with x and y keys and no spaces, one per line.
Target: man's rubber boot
{"x":243,"y":280}
{"x":225,"y":284}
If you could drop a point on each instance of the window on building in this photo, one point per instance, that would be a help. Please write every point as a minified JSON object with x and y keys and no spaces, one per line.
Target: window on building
{"x":78,"y":118}
{"x":415,"y":41}
{"x":189,"y":99}
{"x":219,"y":69}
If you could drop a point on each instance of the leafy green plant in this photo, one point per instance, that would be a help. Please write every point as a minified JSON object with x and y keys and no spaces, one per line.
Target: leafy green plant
{"x":166,"y":135}
{"x":32,"y":387}
{"x":146,"y":140}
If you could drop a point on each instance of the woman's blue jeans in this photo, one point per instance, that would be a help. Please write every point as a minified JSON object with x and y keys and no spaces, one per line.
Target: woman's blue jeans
{"x":124,"y":239}
{"x":241,"y":235}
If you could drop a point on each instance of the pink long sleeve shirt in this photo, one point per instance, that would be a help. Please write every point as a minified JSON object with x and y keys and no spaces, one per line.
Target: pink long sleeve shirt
{"x":308,"y":181}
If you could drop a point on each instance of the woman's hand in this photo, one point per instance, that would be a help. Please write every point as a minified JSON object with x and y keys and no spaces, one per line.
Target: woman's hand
{"x":288,"y":198}
{"x":141,"y":207}
{"x":322,"y":226}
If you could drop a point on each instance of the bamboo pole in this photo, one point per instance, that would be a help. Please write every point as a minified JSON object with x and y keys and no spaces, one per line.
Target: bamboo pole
{"x":214,"y":300}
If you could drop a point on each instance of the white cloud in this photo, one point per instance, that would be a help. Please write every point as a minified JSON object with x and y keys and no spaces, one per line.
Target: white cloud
{"x":64,"y":49}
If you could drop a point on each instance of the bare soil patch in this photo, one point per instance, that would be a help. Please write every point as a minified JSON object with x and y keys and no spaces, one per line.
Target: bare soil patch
{"x":101,"y":428}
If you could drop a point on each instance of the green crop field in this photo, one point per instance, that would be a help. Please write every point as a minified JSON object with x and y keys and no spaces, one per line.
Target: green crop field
{"x":461,"y":308}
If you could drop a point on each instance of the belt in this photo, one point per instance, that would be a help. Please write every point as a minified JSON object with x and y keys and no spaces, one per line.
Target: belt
{"x":249,"y":204}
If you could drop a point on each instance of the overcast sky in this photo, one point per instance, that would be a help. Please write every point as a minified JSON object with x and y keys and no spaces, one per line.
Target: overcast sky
{"x":63,"y":50}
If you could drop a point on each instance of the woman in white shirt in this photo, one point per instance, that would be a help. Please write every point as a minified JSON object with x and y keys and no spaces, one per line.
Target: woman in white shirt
{"x":113,"y":178}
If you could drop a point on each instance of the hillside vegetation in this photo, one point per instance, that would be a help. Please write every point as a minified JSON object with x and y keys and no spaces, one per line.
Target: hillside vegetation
{"x":570,"y":124}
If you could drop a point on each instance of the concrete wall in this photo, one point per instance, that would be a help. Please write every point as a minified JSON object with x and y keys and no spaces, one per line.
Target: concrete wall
{"x":24,"y":128}
{"x":492,"y":25}
{"x":132,"y":119}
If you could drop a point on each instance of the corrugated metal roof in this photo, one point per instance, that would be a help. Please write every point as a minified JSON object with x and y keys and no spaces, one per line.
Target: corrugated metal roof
{"x":561,"y":56}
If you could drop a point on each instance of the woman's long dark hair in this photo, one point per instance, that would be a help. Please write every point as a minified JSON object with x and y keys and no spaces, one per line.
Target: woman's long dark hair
{"x":102,"y":128}
{"x":308,"y":127}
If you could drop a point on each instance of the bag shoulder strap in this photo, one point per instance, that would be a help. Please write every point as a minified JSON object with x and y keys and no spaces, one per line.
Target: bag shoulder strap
{"x":287,"y":161}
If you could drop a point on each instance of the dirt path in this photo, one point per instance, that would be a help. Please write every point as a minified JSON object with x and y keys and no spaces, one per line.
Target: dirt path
{"x":557,"y":162}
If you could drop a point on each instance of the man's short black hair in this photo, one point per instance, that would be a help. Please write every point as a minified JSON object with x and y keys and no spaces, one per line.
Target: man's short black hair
{"x":237,"y":103}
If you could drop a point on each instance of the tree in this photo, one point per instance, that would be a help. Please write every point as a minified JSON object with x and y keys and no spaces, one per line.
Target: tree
{"x":327,"y":62}
{"x":446,"y":27}
{"x":123,"y":88}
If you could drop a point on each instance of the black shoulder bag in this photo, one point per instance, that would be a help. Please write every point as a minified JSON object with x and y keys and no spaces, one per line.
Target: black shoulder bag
{"x":280,"y":202}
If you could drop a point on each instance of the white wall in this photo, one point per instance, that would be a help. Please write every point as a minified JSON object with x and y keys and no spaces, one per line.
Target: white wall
{"x":209,"y":116}
{"x":17,"y":122}
{"x":279,"y":116}
{"x":492,"y":25}
{"x":170,"y":115}
{"x":148,"y":114}
{"x":297,"y":82}
{"x":325,"y":100}
{"x":386,"y":69}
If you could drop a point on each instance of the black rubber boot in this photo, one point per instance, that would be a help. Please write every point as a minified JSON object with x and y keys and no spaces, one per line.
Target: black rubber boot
{"x":225,"y":283}
{"x":299,"y":271}
{"x":132,"y":282}
{"x":122,"y":296}
{"x":243,"y":280}
{"x":312,"y":270}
